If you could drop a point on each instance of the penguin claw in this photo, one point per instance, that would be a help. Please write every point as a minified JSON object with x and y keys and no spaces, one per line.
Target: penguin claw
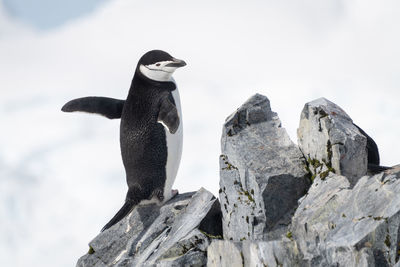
{"x":159,"y":193}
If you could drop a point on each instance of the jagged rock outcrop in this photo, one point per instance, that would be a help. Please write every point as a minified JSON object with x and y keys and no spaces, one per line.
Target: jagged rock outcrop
{"x":346,"y":218}
{"x":331,"y":142}
{"x":262,"y":173}
{"x":281,"y":205}
{"x":175,"y":234}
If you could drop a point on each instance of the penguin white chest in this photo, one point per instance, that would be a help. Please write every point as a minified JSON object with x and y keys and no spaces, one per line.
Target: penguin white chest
{"x":174,"y":148}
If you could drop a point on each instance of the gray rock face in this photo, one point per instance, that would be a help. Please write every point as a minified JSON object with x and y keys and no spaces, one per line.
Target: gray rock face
{"x":254,"y":253}
{"x":171,"y":235}
{"x":331,"y":142}
{"x":337,"y":225}
{"x":225,"y":253}
{"x":262,"y":173}
{"x":345,"y":219}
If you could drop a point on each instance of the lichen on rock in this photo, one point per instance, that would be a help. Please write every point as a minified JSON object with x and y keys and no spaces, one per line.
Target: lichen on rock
{"x":331,"y":142}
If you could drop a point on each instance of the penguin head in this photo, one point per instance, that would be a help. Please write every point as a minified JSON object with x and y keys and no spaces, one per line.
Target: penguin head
{"x":158,"y":65}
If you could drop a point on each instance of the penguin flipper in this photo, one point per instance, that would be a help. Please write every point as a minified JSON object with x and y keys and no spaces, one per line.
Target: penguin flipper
{"x":168,"y":116}
{"x":105,"y":106}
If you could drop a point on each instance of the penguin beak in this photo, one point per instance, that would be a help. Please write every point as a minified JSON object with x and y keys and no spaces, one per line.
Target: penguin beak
{"x":177,"y":63}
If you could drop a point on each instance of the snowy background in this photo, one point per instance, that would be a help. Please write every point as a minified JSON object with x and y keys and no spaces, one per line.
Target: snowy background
{"x":61,"y":175}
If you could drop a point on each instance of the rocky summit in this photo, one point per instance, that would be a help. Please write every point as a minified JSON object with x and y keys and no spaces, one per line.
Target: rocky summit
{"x":280,"y":204}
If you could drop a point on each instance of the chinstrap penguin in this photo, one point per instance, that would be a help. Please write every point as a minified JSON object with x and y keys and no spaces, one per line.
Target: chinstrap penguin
{"x":150,"y":129}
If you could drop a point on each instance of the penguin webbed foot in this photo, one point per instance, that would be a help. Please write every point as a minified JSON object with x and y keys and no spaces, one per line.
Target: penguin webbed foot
{"x":159,"y":193}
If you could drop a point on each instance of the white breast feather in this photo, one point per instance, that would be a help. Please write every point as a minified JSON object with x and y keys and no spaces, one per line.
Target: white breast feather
{"x":174,"y":145}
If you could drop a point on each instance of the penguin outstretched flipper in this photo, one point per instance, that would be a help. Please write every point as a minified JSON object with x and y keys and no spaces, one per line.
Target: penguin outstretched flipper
{"x":105,"y":106}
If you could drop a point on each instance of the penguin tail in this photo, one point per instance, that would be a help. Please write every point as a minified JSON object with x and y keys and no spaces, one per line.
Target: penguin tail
{"x":374,"y":168}
{"x":126,"y":208}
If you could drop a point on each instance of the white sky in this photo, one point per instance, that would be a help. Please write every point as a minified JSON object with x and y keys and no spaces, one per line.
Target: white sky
{"x":61,"y":175}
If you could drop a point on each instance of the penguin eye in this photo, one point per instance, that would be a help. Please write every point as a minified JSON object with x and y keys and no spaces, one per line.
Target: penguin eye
{"x":158,"y":64}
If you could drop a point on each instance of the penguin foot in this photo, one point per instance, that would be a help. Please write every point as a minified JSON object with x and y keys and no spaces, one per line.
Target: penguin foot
{"x":174,"y":192}
{"x":159,"y":193}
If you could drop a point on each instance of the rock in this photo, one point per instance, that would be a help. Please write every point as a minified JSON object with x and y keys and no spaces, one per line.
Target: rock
{"x":262,"y":173}
{"x":191,"y":258}
{"x":171,"y":235}
{"x":225,"y":253}
{"x":331,"y":142}
{"x":347,"y":218}
{"x":254,"y":253}
{"x":336,"y":225}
